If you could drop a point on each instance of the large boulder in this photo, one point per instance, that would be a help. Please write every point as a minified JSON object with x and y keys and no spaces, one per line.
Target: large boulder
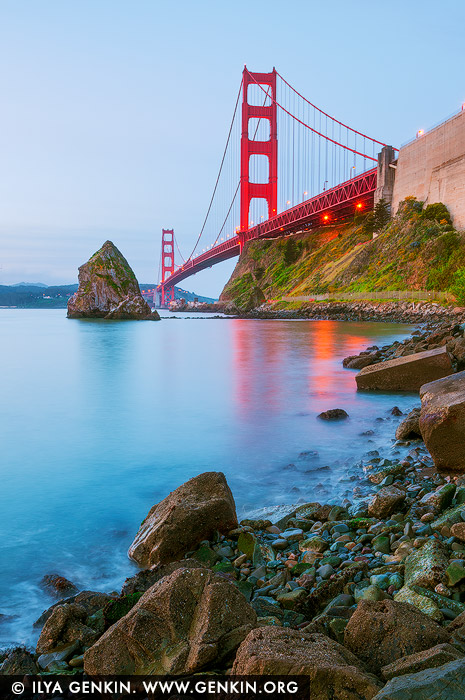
{"x":442,"y":422}
{"x":334,"y":673}
{"x":406,"y":373}
{"x":190,"y":514}
{"x":18,"y":662}
{"x":409,"y":427}
{"x":66,"y":624}
{"x":431,"y":658}
{"x":90,"y":601}
{"x":444,"y":683}
{"x":108,"y":288}
{"x":185,"y":622}
{"x":381,"y":632}
{"x":386,"y":501}
{"x":145,"y":579}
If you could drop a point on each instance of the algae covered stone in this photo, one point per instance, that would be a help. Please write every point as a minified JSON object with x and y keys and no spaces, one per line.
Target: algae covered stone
{"x":424,"y":604}
{"x":427,"y":566}
{"x":108,"y":288}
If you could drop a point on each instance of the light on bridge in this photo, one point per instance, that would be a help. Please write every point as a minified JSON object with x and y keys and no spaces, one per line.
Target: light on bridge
{"x":305,"y":193}
{"x":359,"y":205}
{"x":288,"y":202}
{"x":326,"y":217}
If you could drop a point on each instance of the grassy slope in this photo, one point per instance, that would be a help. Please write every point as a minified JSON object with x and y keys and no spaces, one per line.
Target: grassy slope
{"x":411,"y":252}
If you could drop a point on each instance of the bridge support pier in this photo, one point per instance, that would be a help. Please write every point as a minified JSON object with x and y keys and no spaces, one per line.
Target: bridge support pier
{"x":386,"y":175}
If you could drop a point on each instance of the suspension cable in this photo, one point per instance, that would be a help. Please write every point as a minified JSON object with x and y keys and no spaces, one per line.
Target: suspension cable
{"x":318,"y":133}
{"x":180,"y":254}
{"x":238,"y":184}
{"x":330,"y":117}
{"x":219,"y":174}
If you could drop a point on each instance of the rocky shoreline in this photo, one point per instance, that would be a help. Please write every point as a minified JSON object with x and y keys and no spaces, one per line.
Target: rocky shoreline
{"x":392,"y":311}
{"x":366,"y":597}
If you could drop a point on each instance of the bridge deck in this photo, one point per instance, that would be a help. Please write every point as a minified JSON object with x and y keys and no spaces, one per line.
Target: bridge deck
{"x":336,"y":203}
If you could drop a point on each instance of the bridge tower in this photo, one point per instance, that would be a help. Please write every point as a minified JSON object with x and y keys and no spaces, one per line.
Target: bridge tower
{"x":167,"y":264}
{"x":250,"y":190}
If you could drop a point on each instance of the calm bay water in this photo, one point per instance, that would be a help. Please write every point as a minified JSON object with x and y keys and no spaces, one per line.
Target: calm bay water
{"x":100,"y":420}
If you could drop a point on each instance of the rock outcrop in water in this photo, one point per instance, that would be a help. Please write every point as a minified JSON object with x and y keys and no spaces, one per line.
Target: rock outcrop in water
{"x":108,"y":288}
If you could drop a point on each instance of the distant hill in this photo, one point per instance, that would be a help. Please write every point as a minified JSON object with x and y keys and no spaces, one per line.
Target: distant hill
{"x":36,"y":296}
{"x":29,"y":284}
{"x":42,"y":296}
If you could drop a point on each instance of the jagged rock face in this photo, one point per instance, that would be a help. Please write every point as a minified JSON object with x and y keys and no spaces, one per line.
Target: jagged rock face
{"x":188,"y":515}
{"x":108,"y":288}
{"x":187,"y":621}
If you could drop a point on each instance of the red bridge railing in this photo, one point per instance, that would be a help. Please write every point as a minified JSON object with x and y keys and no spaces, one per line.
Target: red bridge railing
{"x":356,"y":194}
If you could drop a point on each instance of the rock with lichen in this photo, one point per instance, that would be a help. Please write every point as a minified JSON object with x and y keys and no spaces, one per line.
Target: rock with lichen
{"x":108,"y":288}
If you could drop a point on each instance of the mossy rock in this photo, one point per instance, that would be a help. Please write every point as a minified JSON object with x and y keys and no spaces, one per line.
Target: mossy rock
{"x":224,"y":567}
{"x":114,"y":610}
{"x":206,"y":555}
{"x":246,"y":544}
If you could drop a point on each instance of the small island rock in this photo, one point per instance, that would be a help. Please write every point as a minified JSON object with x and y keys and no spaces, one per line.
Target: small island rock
{"x":108,"y":288}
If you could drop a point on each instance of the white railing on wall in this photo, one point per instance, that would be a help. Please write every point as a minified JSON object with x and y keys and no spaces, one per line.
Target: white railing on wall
{"x":396,"y":295}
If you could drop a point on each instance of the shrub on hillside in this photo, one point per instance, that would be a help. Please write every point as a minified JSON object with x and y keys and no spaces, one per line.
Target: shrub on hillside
{"x":437,"y":212}
{"x":458,"y":286}
{"x":291,"y":251}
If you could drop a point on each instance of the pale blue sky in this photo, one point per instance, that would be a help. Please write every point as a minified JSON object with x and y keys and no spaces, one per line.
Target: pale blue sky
{"x":115,"y":112}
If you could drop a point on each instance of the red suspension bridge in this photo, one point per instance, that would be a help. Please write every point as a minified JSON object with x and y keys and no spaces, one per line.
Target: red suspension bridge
{"x":327,"y":171}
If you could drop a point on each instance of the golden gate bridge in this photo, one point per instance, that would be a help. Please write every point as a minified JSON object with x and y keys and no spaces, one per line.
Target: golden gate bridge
{"x":323,"y":171}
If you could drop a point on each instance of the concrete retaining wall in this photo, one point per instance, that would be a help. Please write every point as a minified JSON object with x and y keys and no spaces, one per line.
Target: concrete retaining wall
{"x":432,"y":169}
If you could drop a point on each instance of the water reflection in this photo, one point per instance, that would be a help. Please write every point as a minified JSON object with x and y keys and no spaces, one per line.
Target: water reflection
{"x":100,"y":420}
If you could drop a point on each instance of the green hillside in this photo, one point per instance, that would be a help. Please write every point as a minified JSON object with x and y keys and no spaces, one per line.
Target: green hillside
{"x":416,"y":250}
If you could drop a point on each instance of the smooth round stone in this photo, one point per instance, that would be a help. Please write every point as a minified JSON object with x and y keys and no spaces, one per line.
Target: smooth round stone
{"x":396,"y":580}
{"x":448,"y":614}
{"x":408,"y":530}
{"x":273,"y":564}
{"x":292,"y":585}
{"x":341,"y":528}
{"x":273,"y":530}
{"x":293,"y":535}
{"x":280,"y":544}
{"x":325,"y":571}
{"x":369,"y":592}
{"x":333,"y":561}
{"x":457,"y":547}
{"x":427,"y":518}
{"x":380,"y":580}
{"x":77,"y":661}
{"x":343,"y":600}
{"x":424,"y":531}
{"x":458,"y":531}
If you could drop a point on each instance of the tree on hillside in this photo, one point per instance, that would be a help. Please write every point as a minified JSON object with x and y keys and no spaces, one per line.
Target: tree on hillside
{"x":378,"y":218}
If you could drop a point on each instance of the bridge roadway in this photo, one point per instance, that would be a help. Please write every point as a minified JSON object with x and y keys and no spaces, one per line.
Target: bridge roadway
{"x":356,"y":194}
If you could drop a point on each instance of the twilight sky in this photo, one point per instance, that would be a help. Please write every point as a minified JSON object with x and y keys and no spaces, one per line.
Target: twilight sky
{"x":115,"y":113}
